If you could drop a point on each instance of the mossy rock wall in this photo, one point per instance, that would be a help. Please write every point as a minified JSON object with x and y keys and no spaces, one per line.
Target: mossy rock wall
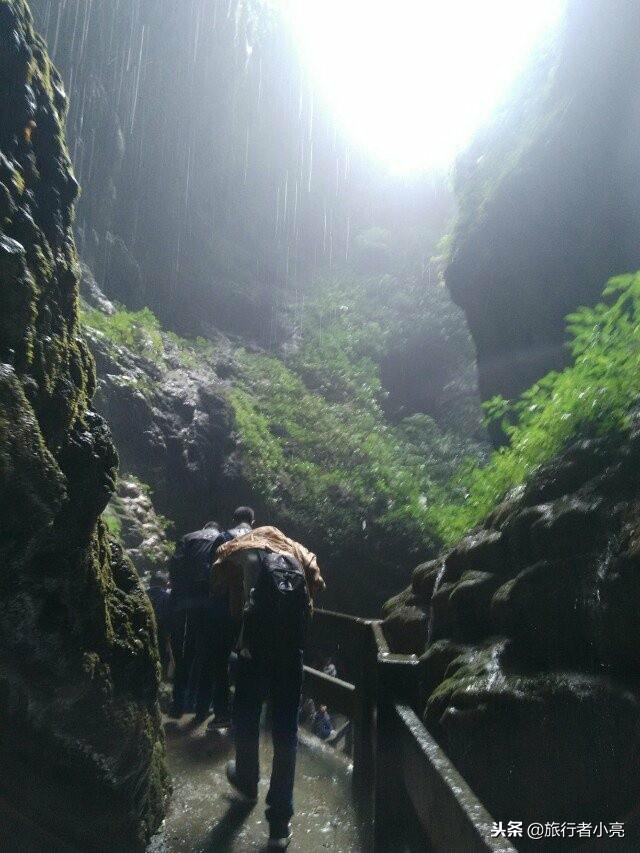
{"x":529,"y":633}
{"x":81,"y":749}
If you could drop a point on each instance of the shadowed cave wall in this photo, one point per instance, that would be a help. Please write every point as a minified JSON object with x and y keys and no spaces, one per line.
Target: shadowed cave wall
{"x":549,"y":194}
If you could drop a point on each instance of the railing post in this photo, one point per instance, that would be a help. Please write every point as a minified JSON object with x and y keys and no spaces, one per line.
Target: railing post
{"x":401,"y":777}
{"x":359,"y":651}
{"x":364,"y":719}
{"x":397,"y":680}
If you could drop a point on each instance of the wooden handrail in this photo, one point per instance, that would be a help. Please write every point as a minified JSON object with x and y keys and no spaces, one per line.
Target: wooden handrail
{"x":339,"y":695}
{"x":340,"y":618}
{"x":327,"y":628}
{"x":352,"y":635}
{"x":381,"y":644}
{"x":411,"y":765}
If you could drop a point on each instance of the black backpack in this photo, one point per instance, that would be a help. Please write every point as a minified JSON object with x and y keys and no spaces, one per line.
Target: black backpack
{"x":279,"y":605}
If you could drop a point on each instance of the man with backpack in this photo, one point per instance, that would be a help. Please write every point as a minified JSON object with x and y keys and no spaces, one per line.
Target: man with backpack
{"x":217,"y":634}
{"x":203,"y":632}
{"x":272,"y":580}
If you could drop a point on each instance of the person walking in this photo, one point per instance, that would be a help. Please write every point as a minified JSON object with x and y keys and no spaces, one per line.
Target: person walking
{"x":322,"y":725}
{"x":272,"y":581}
{"x":217,"y":633}
{"x":203,"y":633}
{"x":243,"y":520}
{"x":189,"y":565}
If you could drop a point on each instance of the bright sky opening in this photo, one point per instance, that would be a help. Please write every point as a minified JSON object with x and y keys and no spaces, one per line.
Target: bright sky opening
{"x":412,"y":80}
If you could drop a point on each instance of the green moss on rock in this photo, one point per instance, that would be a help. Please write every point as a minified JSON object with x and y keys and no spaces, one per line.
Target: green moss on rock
{"x":80,"y":745}
{"x":531,"y":652}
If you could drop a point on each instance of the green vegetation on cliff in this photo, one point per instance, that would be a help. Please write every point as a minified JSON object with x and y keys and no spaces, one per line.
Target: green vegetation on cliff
{"x":393,"y":339}
{"x":336,"y":430}
{"x":331,"y":466}
{"x":321,"y":447}
{"x":337,"y":466}
{"x":137,"y":330}
{"x":591,"y":397}
{"x":141,"y":332}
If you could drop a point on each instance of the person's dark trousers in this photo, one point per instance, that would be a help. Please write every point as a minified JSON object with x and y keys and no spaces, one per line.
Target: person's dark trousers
{"x":277,"y":676}
{"x":184,"y":641}
{"x":216,"y":636}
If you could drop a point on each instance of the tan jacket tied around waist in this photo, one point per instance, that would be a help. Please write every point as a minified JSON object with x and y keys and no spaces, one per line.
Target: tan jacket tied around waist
{"x":227,"y":572}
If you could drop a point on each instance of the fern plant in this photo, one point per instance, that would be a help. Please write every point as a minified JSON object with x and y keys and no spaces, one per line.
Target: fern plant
{"x":594,"y":395}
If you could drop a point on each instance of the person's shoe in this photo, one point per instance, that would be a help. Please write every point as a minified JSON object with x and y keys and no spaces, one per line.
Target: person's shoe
{"x":219,"y":723}
{"x":279,"y":836}
{"x":249,"y":798}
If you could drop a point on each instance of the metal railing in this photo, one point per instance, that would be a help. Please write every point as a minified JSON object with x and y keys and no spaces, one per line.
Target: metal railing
{"x":400,"y":773}
{"x":355,"y":699}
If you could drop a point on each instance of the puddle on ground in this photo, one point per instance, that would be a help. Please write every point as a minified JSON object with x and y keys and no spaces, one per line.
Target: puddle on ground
{"x":203,"y":818}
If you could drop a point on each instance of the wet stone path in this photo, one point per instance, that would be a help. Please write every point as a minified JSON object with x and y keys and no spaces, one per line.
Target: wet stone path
{"x":203,"y":818}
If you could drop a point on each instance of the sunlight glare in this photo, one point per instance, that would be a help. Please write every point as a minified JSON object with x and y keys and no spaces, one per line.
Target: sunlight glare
{"x":411,"y":80}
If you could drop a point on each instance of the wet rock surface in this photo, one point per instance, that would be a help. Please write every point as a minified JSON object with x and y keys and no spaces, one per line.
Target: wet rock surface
{"x":81,"y":747}
{"x":172,"y":424}
{"x":529,"y":633}
{"x":144,"y":534}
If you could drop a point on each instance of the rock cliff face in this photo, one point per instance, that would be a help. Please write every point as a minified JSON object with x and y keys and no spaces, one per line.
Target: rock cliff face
{"x":530,"y":636}
{"x":209,"y":426}
{"x":80,"y":742}
{"x":549,"y":197}
{"x":528,"y":627}
{"x":173,"y":426}
{"x":144,"y":534}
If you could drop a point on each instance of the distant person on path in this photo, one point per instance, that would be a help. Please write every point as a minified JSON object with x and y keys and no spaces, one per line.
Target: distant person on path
{"x":203,"y":629}
{"x":307,"y":710}
{"x":271,"y":580}
{"x":322,"y":725}
{"x":329,"y":667}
